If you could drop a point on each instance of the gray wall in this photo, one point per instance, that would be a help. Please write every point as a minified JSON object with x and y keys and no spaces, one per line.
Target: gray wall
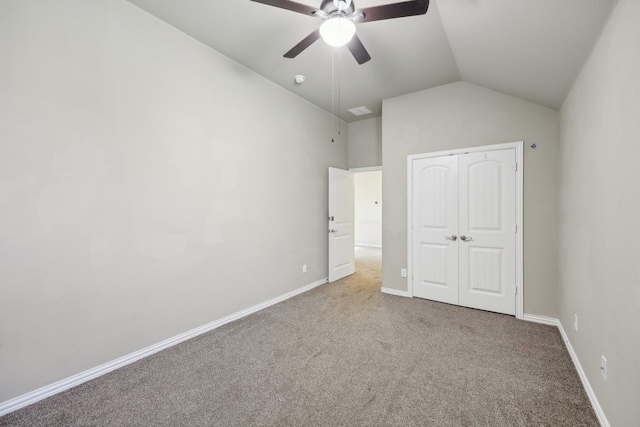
{"x":599,"y":216}
{"x":365,"y":143}
{"x":148,"y":186}
{"x":462,"y":115}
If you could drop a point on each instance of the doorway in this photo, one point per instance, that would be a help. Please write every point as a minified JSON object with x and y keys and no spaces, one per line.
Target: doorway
{"x":355,"y":219}
{"x":368,"y":218}
{"x":368,"y":209}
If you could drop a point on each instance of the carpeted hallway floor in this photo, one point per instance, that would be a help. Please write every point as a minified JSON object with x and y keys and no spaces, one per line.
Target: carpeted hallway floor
{"x":343,"y":354}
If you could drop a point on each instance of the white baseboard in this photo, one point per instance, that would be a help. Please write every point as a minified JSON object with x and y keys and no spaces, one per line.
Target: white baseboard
{"x":395,"y":292}
{"x":574,"y":357}
{"x":541,"y":319}
{"x":74,"y":380}
{"x":366,"y":245}
{"x":583,"y":377}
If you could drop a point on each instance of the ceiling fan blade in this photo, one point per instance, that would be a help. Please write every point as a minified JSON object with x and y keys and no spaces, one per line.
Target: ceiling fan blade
{"x":395,"y":10}
{"x":289,"y":5}
{"x":304,"y":43}
{"x":358,"y":51}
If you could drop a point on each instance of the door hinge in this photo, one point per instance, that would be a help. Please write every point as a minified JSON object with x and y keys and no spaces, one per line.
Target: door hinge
{"x":516,"y":290}
{"x":516,"y":228}
{"x":515,"y":166}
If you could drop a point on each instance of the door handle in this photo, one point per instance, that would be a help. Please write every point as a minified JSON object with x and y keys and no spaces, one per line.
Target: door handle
{"x":331,"y":230}
{"x":466,"y":238}
{"x":453,"y":237}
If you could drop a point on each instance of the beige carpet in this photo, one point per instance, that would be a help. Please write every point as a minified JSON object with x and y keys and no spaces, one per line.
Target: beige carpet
{"x":343,"y":354}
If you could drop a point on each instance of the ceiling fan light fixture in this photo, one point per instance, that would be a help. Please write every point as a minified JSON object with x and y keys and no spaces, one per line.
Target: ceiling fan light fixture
{"x":337,"y":31}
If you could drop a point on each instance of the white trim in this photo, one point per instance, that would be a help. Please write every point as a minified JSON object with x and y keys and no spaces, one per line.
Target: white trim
{"x":366,"y":245}
{"x":583,"y":377}
{"x":492,"y":147}
{"x":520,"y":228}
{"x":518,"y":146}
{"x":410,"y":225}
{"x":541,"y":319}
{"x":366,"y":169}
{"x":395,"y":292}
{"x":574,"y":357}
{"x":74,"y":380}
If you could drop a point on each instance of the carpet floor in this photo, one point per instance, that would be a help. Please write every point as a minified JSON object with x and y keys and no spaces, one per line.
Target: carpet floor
{"x":342,"y":354}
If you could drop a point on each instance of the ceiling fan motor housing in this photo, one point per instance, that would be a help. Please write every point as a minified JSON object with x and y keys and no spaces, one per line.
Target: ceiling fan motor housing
{"x":330,"y":7}
{"x":342,"y":4}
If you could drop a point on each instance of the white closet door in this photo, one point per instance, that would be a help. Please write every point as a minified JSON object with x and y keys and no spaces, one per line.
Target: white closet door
{"x":435,"y":222}
{"x":487,"y":239}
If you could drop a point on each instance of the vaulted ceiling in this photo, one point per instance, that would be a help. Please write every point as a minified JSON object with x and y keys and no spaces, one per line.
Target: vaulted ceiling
{"x":531,"y":49}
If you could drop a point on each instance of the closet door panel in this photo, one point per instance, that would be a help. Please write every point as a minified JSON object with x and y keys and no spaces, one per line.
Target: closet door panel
{"x":487,"y":219}
{"x":434,"y":229}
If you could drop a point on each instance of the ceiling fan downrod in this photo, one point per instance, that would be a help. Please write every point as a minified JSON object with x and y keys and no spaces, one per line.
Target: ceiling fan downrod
{"x":342,"y":4}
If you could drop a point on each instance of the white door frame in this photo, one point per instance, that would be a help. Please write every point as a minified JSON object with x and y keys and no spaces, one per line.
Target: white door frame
{"x":518,"y":146}
{"x":366,"y":169}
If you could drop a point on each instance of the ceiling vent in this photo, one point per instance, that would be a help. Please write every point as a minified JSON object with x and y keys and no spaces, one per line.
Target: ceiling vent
{"x":360,"y":111}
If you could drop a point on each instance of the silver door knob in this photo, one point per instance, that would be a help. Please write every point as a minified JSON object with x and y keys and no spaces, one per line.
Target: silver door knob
{"x":453,"y":237}
{"x":466,"y":239}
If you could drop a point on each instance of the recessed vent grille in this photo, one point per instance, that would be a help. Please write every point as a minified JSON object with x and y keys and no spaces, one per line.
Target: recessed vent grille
{"x":360,"y":111}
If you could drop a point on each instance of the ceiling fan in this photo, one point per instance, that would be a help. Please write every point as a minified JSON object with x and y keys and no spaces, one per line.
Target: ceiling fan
{"x":339,"y":18}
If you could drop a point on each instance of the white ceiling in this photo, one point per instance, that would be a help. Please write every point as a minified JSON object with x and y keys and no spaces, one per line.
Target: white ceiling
{"x":531,"y":49}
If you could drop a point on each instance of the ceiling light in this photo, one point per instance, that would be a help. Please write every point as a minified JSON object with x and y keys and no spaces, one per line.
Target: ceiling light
{"x":337,"y":31}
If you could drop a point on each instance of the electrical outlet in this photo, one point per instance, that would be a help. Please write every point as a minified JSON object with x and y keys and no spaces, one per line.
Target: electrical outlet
{"x":575,"y":322}
{"x":304,"y":268}
{"x":403,"y":272}
{"x":603,"y":367}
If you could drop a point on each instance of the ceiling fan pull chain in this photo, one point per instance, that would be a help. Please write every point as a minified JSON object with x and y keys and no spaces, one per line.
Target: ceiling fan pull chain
{"x":333,"y":74}
{"x":339,"y":87}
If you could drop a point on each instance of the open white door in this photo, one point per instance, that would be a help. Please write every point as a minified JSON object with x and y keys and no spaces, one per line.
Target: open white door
{"x":341,"y":220}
